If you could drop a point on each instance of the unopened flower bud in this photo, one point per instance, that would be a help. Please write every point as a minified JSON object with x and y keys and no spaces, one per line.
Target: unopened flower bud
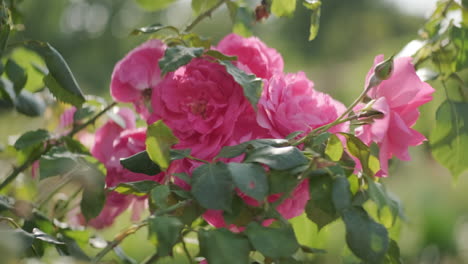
{"x":384,"y":70}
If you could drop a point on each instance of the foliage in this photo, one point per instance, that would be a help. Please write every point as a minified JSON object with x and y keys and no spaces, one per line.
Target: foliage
{"x":245,"y":184}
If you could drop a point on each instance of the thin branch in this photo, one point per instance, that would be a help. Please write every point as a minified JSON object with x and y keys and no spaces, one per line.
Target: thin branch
{"x":203,"y":15}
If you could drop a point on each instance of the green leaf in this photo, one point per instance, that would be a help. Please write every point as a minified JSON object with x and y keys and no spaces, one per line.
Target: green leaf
{"x":220,"y":246}
{"x":39,"y":234}
{"x":154,"y":29}
{"x":237,"y":150}
{"x":83,"y":113}
{"x":16,"y":74}
{"x":320,"y":208}
{"x":220,"y":56}
{"x":29,"y":104}
{"x":159,"y":196}
{"x":251,"y":85}
{"x":361,"y":151}
{"x":281,"y":8}
{"x":60,"y":79}
{"x":341,"y":193}
{"x":7,"y":93}
{"x":57,"y":161}
{"x":167,"y":231}
{"x":334,"y":149}
{"x":32,"y":138}
{"x":200,"y":6}
{"x":159,"y":140}
{"x":281,"y":181}
{"x":177,"y":154}
{"x":282,"y":158}
{"x":393,"y":254}
{"x":178,"y":56}
{"x":449,"y":138}
{"x":4,"y":35}
{"x":458,"y":36}
{"x":366,"y":238}
{"x":154,"y":5}
{"x":382,"y":198}
{"x":212,"y":186}
{"x":94,"y":195}
{"x":243,"y":20}
{"x":138,"y":188}
{"x":314,"y":6}
{"x":250,"y":179}
{"x":272,"y":242}
{"x":140,"y":163}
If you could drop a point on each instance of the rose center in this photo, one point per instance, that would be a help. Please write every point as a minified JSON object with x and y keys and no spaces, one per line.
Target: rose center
{"x":198,"y":107}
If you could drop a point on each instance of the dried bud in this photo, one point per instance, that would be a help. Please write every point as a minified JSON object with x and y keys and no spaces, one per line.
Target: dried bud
{"x":261,"y":11}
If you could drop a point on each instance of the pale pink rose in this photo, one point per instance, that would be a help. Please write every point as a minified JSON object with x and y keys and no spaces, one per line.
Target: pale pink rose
{"x":289,"y":208}
{"x":203,"y":106}
{"x":398,"y":98}
{"x":251,"y":52}
{"x":136,"y":74}
{"x":289,"y":103}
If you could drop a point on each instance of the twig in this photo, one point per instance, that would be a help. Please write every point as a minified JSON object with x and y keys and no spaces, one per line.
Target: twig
{"x":203,"y":15}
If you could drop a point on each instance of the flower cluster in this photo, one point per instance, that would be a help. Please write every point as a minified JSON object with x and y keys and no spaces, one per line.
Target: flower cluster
{"x":206,"y":109}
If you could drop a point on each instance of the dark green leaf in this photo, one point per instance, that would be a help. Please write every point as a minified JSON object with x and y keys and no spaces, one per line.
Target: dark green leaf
{"x":458,"y":37}
{"x":167,"y":231}
{"x":449,"y":138}
{"x":57,"y":161}
{"x":29,"y":104}
{"x":220,"y":246}
{"x":16,"y":74}
{"x":220,"y":56}
{"x":178,"y":56}
{"x":7,"y":92}
{"x":154,"y":5}
{"x":60,"y":79}
{"x":159,"y":140}
{"x":341,"y":193}
{"x":250,"y":179}
{"x":281,"y":181}
{"x":320,"y":208}
{"x":250,"y":83}
{"x":272,"y":242}
{"x":31,"y":138}
{"x":367,"y":239}
{"x":177,"y":154}
{"x":139,"y":188}
{"x":393,"y":254}
{"x":154,"y":29}
{"x":382,"y":198}
{"x":84,"y":112}
{"x":237,"y":150}
{"x":4,"y":35}
{"x":240,"y":214}
{"x":140,"y":163}
{"x":159,"y":196}
{"x":94,"y":196}
{"x":283,"y":7}
{"x":282,"y":158}
{"x":212,"y":186}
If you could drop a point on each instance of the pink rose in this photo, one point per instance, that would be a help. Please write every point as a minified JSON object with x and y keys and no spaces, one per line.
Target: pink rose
{"x":136,"y":74}
{"x":251,"y":52}
{"x":398,"y":98}
{"x":289,"y":103}
{"x":203,"y":105}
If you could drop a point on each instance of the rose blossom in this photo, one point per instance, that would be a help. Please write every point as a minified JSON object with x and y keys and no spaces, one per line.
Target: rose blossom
{"x":398,"y":98}
{"x":135,"y":75}
{"x":252,"y":53}
{"x":289,"y":103}
{"x":203,"y":106}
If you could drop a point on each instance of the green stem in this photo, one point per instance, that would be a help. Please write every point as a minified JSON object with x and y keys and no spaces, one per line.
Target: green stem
{"x":203,"y":15}
{"x":92,"y":120}
{"x":132,"y":229}
{"x":186,"y":251}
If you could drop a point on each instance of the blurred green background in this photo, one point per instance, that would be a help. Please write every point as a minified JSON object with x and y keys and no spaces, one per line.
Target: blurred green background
{"x":93,"y":35}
